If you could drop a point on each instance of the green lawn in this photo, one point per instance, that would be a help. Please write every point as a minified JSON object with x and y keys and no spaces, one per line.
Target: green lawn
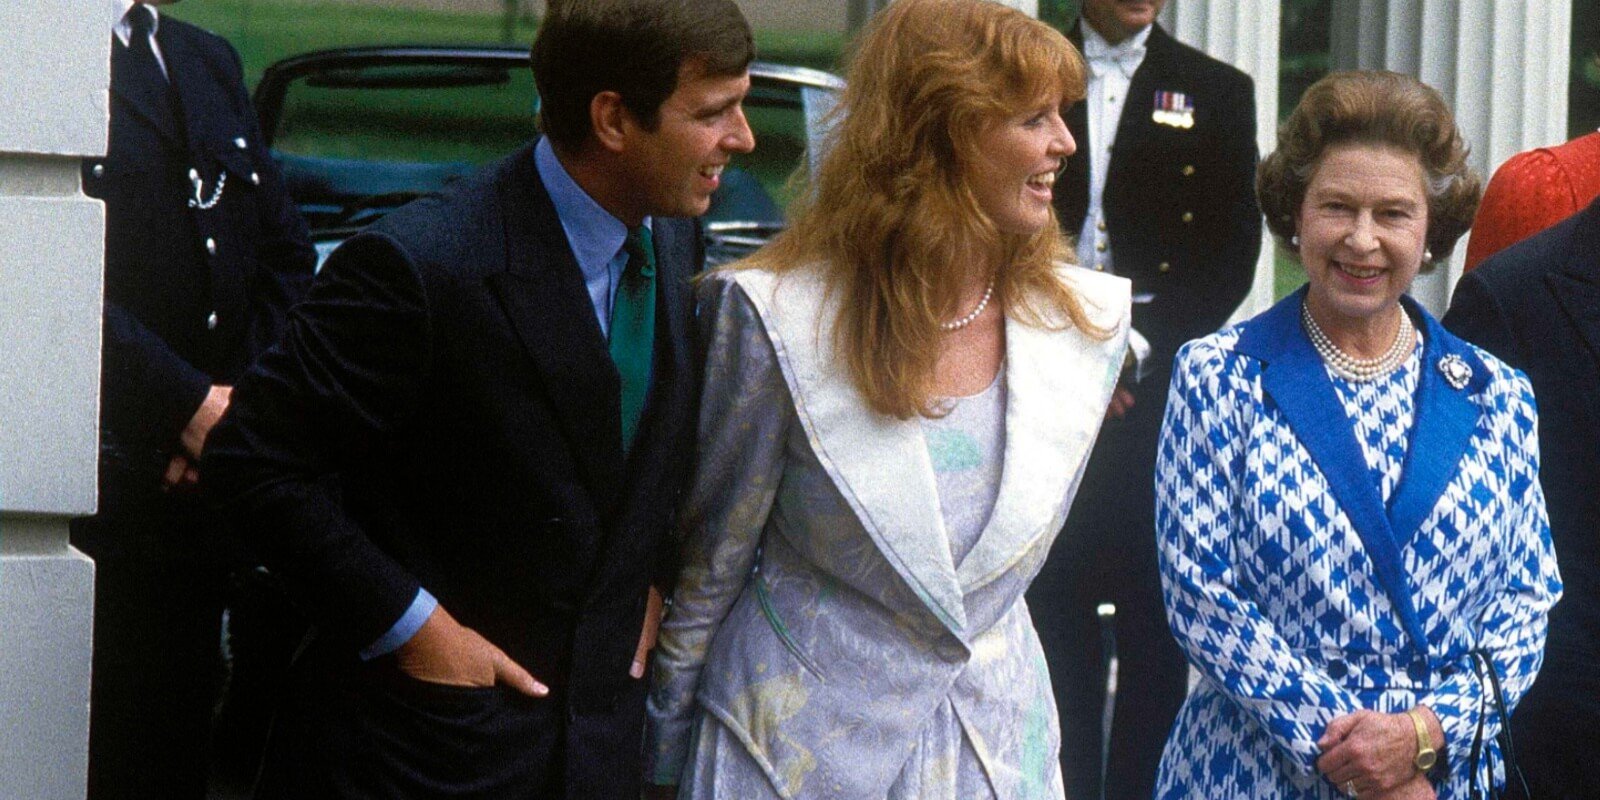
{"x":1288,"y":274}
{"x":267,"y":30}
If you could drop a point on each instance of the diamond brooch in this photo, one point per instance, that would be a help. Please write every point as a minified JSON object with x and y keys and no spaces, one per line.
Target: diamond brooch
{"x":1456,"y":372}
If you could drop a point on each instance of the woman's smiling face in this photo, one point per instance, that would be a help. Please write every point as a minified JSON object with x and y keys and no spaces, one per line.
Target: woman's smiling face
{"x":1363,"y":230}
{"x":1014,"y":173}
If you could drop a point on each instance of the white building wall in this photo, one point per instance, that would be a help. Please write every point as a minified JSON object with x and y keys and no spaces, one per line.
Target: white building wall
{"x":53,"y":88}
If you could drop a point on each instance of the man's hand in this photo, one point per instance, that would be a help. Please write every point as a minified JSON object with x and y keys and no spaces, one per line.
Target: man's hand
{"x":205,"y":418}
{"x":181,"y":474}
{"x":444,"y":651}
{"x":1121,"y":403}
{"x":647,"y":637}
{"x":1372,"y":752}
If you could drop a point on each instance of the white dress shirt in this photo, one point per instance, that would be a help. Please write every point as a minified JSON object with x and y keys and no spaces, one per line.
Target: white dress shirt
{"x":1111,"y":69}
{"x":123,"y":30}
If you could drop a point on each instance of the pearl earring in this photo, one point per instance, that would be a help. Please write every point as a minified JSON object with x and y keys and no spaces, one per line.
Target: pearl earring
{"x":1427,"y":255}
{"x":1294,"y":241}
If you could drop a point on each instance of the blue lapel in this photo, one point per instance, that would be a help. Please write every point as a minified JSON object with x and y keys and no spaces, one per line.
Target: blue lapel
{"x":1294,"y":375}
{"x":1445,"y":420}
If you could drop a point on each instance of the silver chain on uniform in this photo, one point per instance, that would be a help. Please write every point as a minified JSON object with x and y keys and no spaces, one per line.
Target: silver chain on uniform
{"x":216,"y":194}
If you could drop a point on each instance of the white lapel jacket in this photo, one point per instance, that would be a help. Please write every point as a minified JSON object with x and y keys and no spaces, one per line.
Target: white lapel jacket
{"x":819,"y":615}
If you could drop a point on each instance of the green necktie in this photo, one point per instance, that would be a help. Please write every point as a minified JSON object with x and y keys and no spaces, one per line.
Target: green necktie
{"x":633,"y":328}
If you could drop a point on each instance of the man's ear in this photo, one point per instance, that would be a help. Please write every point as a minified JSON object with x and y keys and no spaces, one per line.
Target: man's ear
{"x":610,"y":120}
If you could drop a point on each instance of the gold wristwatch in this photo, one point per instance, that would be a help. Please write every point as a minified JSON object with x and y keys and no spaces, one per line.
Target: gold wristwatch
{"x":1426,"y":755}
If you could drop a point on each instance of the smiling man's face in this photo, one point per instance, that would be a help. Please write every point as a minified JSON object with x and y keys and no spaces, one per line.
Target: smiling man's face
{"x":699,"y":127}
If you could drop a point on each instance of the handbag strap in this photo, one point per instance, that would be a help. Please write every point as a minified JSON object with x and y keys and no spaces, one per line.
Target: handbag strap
{"x":1473,"y":790}
{"x":1508,"y":750}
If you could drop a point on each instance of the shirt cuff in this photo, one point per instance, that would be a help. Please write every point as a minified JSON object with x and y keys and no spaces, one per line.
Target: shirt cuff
{"x":406,"y":627}
{"x":1139,"y":347}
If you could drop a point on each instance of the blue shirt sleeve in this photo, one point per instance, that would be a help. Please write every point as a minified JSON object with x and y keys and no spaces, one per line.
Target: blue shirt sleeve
{"x":403,"y":629}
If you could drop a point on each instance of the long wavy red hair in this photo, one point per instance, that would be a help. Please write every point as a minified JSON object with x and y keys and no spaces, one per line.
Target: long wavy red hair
{"x":891,"y":213}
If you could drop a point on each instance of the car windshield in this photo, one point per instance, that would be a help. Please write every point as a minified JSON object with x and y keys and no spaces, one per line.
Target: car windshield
{"x":427,"y":113}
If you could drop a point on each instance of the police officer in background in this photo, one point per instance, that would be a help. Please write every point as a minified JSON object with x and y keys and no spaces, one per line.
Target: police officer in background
{"x":204,"y":255}
{"x":1161,"y":192}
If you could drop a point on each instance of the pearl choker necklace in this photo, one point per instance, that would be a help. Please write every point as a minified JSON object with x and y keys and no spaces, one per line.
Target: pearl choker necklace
{"x":956,"y":325}
{"x":1361,"y":370}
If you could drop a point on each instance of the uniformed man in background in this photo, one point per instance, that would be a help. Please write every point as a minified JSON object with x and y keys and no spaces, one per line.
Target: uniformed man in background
{"x":204,"y":255}
{"x":1161,"y":192}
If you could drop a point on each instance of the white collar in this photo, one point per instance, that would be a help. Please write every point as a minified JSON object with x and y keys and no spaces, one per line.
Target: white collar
{"x":1096,"y":47}
{"x":120,"y":26}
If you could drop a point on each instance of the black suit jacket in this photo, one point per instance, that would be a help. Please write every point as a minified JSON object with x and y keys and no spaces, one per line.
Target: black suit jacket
{"x":443,"y":412}
{"x":1536,"y":305}
{"x":192,"y":294}
{"x":1179,"y":203}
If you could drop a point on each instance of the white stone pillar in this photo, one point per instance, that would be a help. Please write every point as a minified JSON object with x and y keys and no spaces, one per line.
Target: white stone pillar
{"x":858,"y":11}
{"x":1029,"y":7}
{"x":1244,"y":33}
{"x":1500,"y":64}
{"x":53,"y":91}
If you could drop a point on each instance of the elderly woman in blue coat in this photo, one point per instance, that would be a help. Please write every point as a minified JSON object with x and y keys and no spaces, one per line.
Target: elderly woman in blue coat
{"x":1353,"y":540}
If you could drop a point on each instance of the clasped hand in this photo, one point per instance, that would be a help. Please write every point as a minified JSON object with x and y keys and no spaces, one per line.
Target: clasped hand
{"x":1375,"y":754}
{"x":182,"y":472}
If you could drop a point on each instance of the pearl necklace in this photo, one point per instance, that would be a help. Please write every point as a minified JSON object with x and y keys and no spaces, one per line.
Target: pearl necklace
{"x":1361,"y":370}
{"x":956,"y":325}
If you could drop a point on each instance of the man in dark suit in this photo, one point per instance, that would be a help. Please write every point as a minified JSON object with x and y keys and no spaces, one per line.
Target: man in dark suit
{"x":1536,"y":305}
{"x":204,"y":255}
{"x":465,"y":455}
{"x":1161,"y":192}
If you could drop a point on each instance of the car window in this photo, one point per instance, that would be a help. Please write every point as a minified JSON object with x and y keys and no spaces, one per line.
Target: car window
{"x":409,"y":113}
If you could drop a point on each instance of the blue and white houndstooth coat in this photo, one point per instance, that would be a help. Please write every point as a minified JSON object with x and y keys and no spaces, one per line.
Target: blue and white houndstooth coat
{"x":1332,"y":546}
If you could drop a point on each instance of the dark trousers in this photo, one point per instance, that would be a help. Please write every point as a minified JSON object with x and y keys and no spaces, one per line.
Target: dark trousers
{"x":354,"y":731}
{"x":1556,"y":729}
{"x":1107,"y":554}
{"x":159,"y":590}
{"x":264,"y":631}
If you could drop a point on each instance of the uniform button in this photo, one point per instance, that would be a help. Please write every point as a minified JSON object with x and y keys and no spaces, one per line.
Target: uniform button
{"x":1100,"y":248}
{"x":1188,"y":216}
{"x":1188,"y":169}
{"x":239,"y":143}
{"x":211,"y":322}
{"x":255,"y":178}
{"x":1165,"y":266}
{"x":211,"y":246}
{"x":194,"y":174}
{"x":99,"y":170}
{"x":1100,"y":226}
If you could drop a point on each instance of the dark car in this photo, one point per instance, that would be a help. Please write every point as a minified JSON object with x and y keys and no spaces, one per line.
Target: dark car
{"x":361,"y":131}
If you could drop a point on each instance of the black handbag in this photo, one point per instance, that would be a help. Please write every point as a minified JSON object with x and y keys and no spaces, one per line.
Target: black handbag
{"x":1484,"y":667}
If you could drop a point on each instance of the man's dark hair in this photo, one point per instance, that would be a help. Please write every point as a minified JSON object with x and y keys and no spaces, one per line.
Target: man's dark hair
{"x":632,"y":47}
